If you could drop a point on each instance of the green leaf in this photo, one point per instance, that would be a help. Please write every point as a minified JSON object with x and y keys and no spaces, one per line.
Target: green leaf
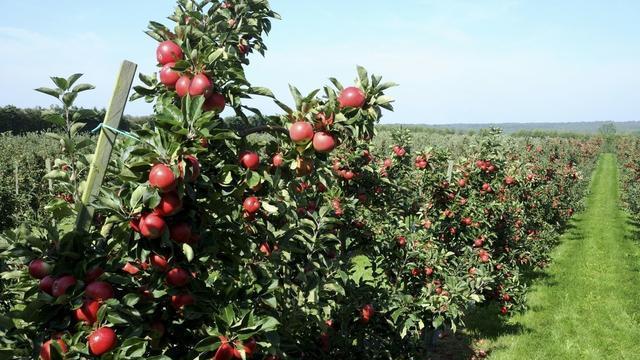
{"x":187,"y":251}
{"x":54,"y":118}
{"x":56,"y":175}
{"x":261,"y":91}
{"x":72,"y":79}
{"x":49,"y":91}
{"x":82,"y":87}
{"x":269,"y":208}
{"x":361,"y":269}
{"x":69,"y":98}
{"x":228,"y":315}
{"x":60,"y":82}
{"x":215,"y":55}
{"x":136,"y":196}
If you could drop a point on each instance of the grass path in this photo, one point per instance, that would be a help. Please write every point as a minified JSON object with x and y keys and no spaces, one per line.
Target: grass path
{"x":587,"y":303}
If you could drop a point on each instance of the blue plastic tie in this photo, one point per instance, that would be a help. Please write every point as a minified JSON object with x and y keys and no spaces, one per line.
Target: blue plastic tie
{"x":124,"y":133}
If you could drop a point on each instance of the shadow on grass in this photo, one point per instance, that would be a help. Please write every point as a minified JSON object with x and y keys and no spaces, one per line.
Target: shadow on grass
{"x":485,"y":324}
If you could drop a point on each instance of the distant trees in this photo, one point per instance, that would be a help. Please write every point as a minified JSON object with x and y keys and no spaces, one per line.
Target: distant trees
{"x":21,"y":121}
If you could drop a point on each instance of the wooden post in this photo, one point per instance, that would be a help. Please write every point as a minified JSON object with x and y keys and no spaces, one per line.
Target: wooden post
{"x":450,"y":170}
{"x":105,"y":143}
{"x":47,"y":164}
{"x":15,"y":172}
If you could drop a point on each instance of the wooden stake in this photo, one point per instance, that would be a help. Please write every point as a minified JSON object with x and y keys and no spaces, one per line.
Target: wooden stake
{"x":105,"y":143}
{"x":47,"y":164}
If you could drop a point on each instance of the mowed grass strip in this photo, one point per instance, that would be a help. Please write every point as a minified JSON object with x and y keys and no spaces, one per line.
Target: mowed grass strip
{"x":587,"y":306}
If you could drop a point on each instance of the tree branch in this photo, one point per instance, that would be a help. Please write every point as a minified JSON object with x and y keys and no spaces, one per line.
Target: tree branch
{"x":263,"y":128}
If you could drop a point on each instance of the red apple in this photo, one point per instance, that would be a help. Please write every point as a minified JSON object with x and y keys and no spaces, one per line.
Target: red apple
{"x":159,"y":262}
{"x":170,"y":204}
{"x":101,"y":341}
{"x":181,"y":300}
{"x":301,"y":132}
{"x":277,"y":160}
{"x":168,"y":51}
{"x":190,"y":168}
{"x":200,"y":85}
{"x":99,"y":290}
{"x":45,"y":350}
{"x":351,"y":97}
{"x":88,"y":312}
{"x":130,"y":269}
{"x":182,"y":85}
{"x":162,"y":177}
{"x":46,"y":284}
{"x":366,"y":313}
{"x":215,"y":102}
{"x":249,"y":160}
{"x":168,"y":76}
{"x":93,"y":274}
{"x":152,"y":226}
{"x":61,"y":285}
{"x":180,"y":232}
{"x":38,"y":269}
{"x":178,"y":277}
{"x":323,"y":142}
{"x":251,"y":204}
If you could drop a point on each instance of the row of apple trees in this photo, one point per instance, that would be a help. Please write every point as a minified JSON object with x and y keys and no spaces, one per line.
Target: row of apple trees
{"x":290,"y":237}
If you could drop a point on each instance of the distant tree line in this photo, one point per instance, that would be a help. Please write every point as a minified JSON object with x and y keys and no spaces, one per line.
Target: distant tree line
{"x":21,"y":121}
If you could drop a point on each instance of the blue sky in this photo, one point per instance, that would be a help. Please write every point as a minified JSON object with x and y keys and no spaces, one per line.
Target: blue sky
{"x":455,"y":60}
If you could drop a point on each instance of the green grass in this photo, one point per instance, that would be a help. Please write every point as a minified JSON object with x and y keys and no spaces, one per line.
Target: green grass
{"x":586,"y":305}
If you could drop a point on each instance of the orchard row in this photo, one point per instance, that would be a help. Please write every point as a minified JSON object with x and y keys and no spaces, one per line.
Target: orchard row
{"x":211,"y":241}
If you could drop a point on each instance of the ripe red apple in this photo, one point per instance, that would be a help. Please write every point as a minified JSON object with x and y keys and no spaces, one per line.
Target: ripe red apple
{"x":249,"y":160}
{"x":509,"y":180}
{"x":301,"y":132}
{"x":101,"y":341}
{"x":38,"y":269}
{"x":168,"y":51}
{"x":504,"y":310}
{"x":251,"y":204}
{"x":159,"y":261}
{"x":462,"y":183}
{"x":182,"y":85}
{"x":506,"y":297}
{"x":180,"y":232}
{"x":45,"y":350}
{"x":265,"y":248}
{"x":200,"y":85}
{"x":323,"y":142}
{"x":61,"y":285}
{"x":99,"y":290}
{"x":190,"y":168}
{"x":215,"y":102}
{"x":351,"y":97}
{"x":178,"y":277}
{"x":162,"y":177}
{"x":401,"y":241}
{"x":46,"y":284}
{"x":168,"y":76}
{"x":348,"y":175}
{"x":277,"y":160}
{"x":170,"y":204}
{"x":181,"y":300}
{"x":225,"y":351}
{"x":88,"y":312}
{"x":93,"y":274}
{"x":466,"y":221}
{"x":366,"y":313}
{"x":130,"y":269}
{"x":152,"y":226}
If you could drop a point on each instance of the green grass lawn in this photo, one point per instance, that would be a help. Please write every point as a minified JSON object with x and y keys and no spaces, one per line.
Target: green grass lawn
{"x":586,"y":305}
